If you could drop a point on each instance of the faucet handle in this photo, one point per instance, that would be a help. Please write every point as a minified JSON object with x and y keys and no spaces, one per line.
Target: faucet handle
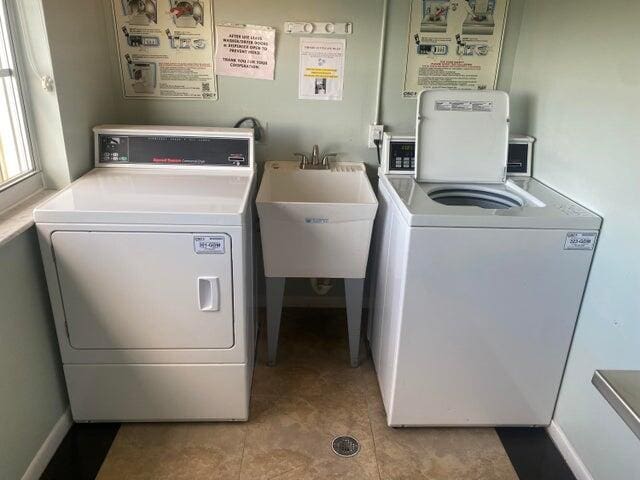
{"x":304,"y":160}
{"x":326,"y":157}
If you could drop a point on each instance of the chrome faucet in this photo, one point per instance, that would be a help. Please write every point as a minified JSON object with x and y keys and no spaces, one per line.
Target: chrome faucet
{"x":315,"y":156}
{"x":315,"y":163}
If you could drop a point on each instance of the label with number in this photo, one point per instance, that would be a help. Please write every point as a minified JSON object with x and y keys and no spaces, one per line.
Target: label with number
{"x":208,"y":244}
{"x":580,"y":241}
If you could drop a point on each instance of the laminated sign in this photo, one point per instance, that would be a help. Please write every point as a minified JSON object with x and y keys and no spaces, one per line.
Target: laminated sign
{"x":321,"y":69}
{"x":454,"y":44}
{"x":245,"y":51}
{"x":165,"y":48}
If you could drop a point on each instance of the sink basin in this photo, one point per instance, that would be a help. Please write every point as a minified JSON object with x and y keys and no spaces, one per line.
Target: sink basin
{"x":316,"y":223}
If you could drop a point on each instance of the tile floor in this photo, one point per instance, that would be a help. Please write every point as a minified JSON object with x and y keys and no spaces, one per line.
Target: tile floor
{"x":298,"y":407}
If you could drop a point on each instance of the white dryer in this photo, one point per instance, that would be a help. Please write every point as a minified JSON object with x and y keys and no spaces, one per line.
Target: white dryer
{"x":150,"y":269}
{"x":478,"y":278}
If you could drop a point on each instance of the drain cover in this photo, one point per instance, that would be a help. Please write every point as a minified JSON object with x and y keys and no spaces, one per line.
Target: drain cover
{"x":345,"y":446}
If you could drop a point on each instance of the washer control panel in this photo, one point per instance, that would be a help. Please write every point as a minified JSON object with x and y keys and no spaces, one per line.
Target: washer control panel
{"x":402,"y":156}
{"x":399,"y":155}
{"x":178,"y":150}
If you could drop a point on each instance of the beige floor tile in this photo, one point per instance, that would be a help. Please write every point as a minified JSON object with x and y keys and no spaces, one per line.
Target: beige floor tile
{"x":310,"y":337}
{"x":369,"y":380}
{"x":437,"y":453}
{"x":298,"y":407}
{"x":290,"y":438}
{"x":310,"y":380}
{"x":175,"y":451}
{"x":313,"y":357}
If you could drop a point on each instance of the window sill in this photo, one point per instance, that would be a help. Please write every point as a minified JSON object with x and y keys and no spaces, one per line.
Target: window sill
{"x":19,"y":218}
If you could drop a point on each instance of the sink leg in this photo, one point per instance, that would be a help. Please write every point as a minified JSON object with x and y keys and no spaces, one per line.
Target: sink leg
{"x":275,"y":294}
{"x":354,"y":289}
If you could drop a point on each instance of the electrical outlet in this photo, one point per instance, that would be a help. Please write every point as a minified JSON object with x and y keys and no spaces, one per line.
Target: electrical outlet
{"x":375,"y":133}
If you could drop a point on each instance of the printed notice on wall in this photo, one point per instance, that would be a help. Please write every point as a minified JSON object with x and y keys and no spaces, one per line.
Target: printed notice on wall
{"x":245,"y":51}
{"x":454,"y":44}
{"x":321,"y":68}
{"x":165,"y":48}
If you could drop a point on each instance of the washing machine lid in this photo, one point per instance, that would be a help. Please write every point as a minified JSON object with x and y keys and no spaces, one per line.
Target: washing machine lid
{"x":151,"y":196}
{"x":462,"y":136}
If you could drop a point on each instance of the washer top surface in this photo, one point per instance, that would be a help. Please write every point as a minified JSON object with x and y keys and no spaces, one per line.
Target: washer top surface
{"x":145,"y":196}
{"x":518,"y":203}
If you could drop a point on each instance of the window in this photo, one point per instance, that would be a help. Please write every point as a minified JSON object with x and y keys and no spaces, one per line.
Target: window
{"x":16,"y":159}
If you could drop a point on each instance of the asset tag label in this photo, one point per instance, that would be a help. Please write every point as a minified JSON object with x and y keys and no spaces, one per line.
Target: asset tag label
{"x":209,"y":244}
{"x":580,"y":241}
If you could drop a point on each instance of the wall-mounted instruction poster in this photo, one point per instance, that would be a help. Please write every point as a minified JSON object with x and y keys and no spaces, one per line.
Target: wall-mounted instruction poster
{"x":165,"y":48}
{"x":321,"y":75}
{"x":454,"y":44}
{"x":246,"y":51}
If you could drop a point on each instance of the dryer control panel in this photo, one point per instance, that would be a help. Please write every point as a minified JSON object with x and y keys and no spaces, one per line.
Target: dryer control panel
{"x":399,"y":155}
{"x":203,"y":148}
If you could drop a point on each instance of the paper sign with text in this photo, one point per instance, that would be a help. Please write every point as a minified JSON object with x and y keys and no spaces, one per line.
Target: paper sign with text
{"x":321,"y":68}
{"x":245,"y":51}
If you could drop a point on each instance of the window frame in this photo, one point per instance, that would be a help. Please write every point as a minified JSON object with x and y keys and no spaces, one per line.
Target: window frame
{"x":19,"y":188}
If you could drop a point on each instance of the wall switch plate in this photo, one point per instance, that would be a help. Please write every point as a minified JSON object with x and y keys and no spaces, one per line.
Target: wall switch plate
{"x":375,"y":133}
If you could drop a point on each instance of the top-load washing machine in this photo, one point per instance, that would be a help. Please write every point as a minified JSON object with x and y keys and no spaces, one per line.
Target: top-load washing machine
{"x":150,"y":269}
{"x":478,"y":277}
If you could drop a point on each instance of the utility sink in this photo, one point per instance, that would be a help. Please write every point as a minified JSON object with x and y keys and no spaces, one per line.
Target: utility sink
{"x":316,"y":223}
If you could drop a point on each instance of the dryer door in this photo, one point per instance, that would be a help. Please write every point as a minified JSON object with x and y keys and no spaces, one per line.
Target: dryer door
{"x":145,"y":290}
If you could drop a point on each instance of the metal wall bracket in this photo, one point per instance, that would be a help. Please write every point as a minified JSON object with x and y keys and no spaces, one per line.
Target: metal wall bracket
{"x":318,"y":28}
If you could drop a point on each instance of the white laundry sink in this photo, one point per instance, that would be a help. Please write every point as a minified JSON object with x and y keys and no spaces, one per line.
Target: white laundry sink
{"x":316,"y":223}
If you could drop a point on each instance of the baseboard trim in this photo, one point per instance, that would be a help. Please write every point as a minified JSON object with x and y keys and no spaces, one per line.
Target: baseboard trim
{"x":569,"y":453}
{"x":50,"y":445}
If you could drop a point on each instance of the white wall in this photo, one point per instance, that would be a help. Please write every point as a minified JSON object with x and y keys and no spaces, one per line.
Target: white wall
{"x":576,"y":87}
{"x":32,"y":391}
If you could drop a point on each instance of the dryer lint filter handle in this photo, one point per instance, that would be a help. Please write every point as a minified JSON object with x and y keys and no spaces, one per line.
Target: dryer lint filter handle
{"x":462,"y":136}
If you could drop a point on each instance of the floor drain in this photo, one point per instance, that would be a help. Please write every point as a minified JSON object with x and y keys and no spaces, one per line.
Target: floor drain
{"x":345,"y":446}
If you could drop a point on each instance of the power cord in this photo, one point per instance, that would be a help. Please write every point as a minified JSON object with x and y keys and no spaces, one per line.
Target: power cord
{"x":377,"y":144}
{"x":258,"y":131}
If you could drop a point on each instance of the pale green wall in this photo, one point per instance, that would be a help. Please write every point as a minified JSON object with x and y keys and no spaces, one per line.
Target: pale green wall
{"x":576,"y":88}
{"x":89,"y":88}
{"x":32,"y":392}
{"x":82,"y":66}
{"x":399,"y":113}
{"x":295,"y":125}
{"x":292,"y":125}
